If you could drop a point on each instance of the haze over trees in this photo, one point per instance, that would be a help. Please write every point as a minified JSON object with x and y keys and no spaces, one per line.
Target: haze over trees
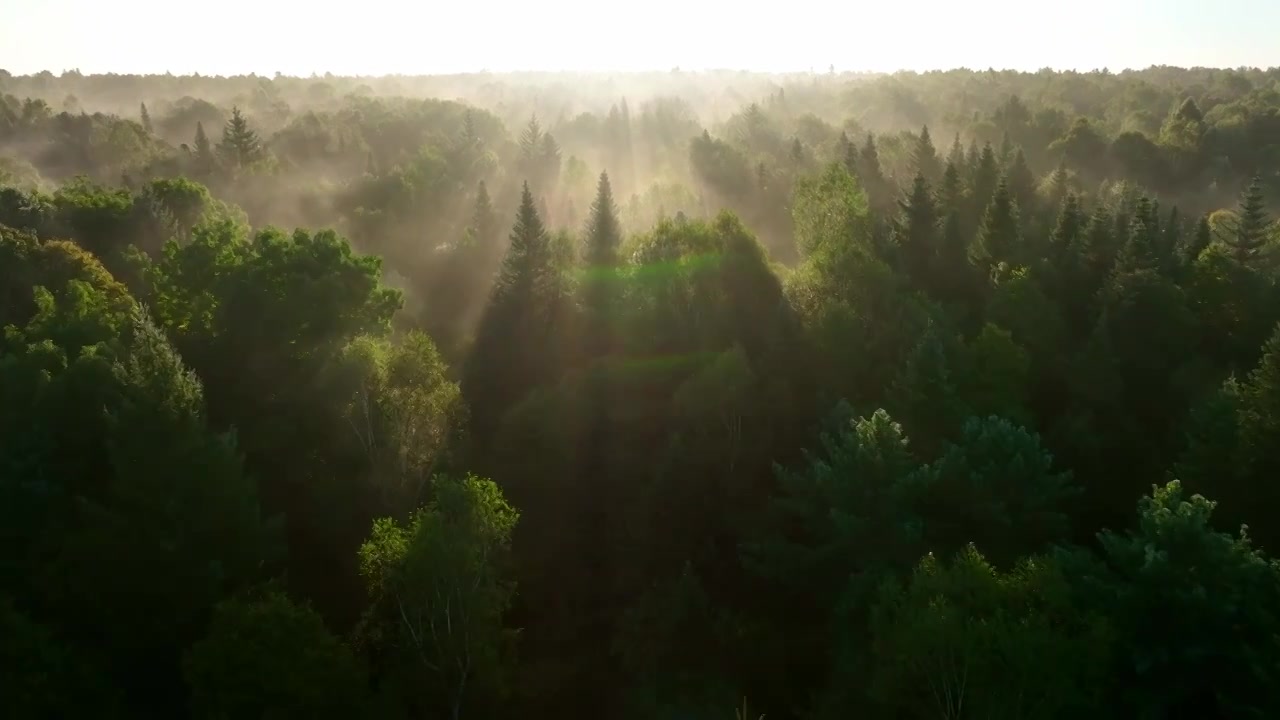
{"x":926,"y":395}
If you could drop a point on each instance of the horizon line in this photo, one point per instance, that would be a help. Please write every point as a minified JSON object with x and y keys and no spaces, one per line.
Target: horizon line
{"x":73,"y":72}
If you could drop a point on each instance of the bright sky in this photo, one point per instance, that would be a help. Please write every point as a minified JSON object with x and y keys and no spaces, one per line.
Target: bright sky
{"x":430,"y":36}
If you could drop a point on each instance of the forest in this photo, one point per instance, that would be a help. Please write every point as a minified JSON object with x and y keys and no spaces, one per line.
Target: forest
{"x":680,"y":395}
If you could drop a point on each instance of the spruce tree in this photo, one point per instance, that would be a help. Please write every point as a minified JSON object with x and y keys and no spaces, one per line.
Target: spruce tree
{"x":956,"y":155}
{"x":1022,"y":185}
{"x":203,"y":151}
{"x":951,"y":190}
{"x":998,"y":239}
{"x":851,"y":160}
{"x":1139,"y":251}
{"x":513,"y":348}
{"x":986,"y":175}
{"x":1066,"y":235}
{"x":917,"y":232}
{"x":602,"y":237}
{"x":603,"y":233}
{"x":146,"y":118}
{"x":1198,"y":242}
{"x":872,"y":176}
{"x":240,"y":145}
{"x":1251,"y":230}
{"x":1059,"y":186}
{"x":924,"y":158}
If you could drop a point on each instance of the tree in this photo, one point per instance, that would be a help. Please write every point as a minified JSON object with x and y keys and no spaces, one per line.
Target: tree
{"x":602,"y":238}
{"x":145,"y":118}
{"x":917,"y":233}
{"x":240,"y":145}
{"x":1022,"y":186}
{"x":439,"y":592}
{"x":829,"y":211}
{"x":999,"y":239}
{"x":1250,"y":232}
{"x":924,"y":158}
{"x":269,"y":657}
{"x":520,"y":317}
{"x":871,"y":176}
{"x":203,"y":152}
{"x":964,"y":639}
{"x":1194,"y":612}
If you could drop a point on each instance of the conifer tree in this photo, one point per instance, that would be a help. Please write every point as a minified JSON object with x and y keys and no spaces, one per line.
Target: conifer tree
{"x":513,"y":347}
{"x":603,"y":233}
{"x":851,"y":159}
{"x":924,"y":158}
{"x":917,"y":232}
{"x":986,"y":175}
{"x":972,"y":156}
{"x":1249,"y":233}
{"x":240,"y":145}
{"x":1139,"y":252}
{"x":956,"y":156}
{"x":146,"y":118}
{"x":1006,"y":149}
{"x":1059,"y":186}
{"x":998,"y":239}
{"x":203,"y":150}
{"x":872,"y":176}
{"x":1022,"y":185}
{"x":1066,"y":235}
{"x":1199,"y":240}
{"x":1098,"y":250}
{"x":950,"y":190}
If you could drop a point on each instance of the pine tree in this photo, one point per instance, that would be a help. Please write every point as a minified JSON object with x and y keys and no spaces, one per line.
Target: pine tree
{"x":924,"y":158}
{"x":603,"y":236}
{"x":1251,"y":230}
{"x":851,"y":160}
{"x":1022,"y":185}
{"x":1006,"y":149}
{"x":1139,"y":252}
{"x":146,"y":119}
{"x":917,"y":232}
{"x":1059,"y":186}
{"x":872,"y":176}
{"x":950,"y":190}
{"x":956,"y":155}
{"x":513,"y":347}
{"x":603,"y":233}
{"x":998,"y":239}
{"x":549,"y":161}
{"x":1198,"y":242}
{"x":530,"y":139}
{"x":240,"y":145}
{"x":484,"y":228}
{"x":1066,"y":235}
{"x":203,"y":151}
{"x":986,"y":175}
{"x":1098,"y":249}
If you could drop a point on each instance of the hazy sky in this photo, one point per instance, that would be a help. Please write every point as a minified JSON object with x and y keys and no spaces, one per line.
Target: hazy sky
{"x":431,"y":36}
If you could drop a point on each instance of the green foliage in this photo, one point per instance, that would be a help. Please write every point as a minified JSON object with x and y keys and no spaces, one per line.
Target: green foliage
{"x":964,"y":639}
{"x":829,"y":212}
{"x":439,"y":590}
{"x":1194,"y":612}
{"x":268,"y":657}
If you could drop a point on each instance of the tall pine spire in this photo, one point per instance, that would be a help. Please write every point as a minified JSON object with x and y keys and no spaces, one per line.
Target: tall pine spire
{"x":917,"y":231}
{"x":924,"y":158}
{"x":998,"y":240}
{"x":514,"y":346}
{"x":1251,"y":230}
